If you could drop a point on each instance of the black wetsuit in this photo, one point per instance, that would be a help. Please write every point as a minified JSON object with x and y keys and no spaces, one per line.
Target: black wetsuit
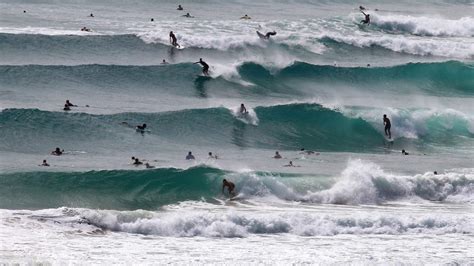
{"x":267,"y":36}
{"x":367,"y":19}
{"x":174,"y":41}
{"x":388,"y":125}
{"x":205,"y":67}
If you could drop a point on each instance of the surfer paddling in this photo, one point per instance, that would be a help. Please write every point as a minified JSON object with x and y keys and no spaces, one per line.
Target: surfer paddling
{"x":230,"y":187}
{"x":173,"y":40}
{"x":205,"y":67}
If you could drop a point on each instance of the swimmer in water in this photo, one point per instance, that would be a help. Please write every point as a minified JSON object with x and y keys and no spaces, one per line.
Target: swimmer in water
{"x":45,"y":163}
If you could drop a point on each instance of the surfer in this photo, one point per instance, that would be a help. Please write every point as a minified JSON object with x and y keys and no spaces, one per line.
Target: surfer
{"x":141,"y":128}
{"x":86,"y":29}
{"x":164,"y":62}
{"x":149,"y":166}
{"x":303,"y":151}
{"x":212,"y":156}
{"x":91,"y":15}
{"x":271,"y":33}
{"x":66,"y":108}
{"x":405,"y":153}
{"x":230,"y":187}
{"x":57,"y":152}
{"x":187,"y":16}
{"x":290,"y":164}
{"x":243,"y":110}
{"x":69,"y":104}
{"x":366,"y":20}
{"x":205,"y":67}
{"x":246,"y":17}
{"x":180,"y":8}
{"x":190,"y":156}
{"x":45,"y":163}
{"x":277,"y":155}
{"x":388,"y":125}
{"x":173,"y":40}
{"x":137,"y":162}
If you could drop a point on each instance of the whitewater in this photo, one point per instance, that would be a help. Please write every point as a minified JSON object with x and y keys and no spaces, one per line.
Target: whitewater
{"x":315,"y":92}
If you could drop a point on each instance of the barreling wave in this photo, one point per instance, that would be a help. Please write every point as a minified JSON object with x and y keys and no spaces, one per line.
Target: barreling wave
{"x":117,"y":189}
{"x":360,"y":183}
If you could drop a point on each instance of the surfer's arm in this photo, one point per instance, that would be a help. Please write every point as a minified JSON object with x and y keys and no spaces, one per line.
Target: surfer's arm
{"x":363,"y":12}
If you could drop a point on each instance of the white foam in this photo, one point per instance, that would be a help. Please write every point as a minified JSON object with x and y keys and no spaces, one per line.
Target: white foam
{"x":425,"y":26}
{"x":238,"y":224}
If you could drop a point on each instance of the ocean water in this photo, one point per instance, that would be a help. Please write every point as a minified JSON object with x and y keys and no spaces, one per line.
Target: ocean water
{"x":322,"y":83}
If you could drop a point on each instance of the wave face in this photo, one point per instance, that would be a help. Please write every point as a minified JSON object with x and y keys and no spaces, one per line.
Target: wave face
{"x":287,"y":127}
{"x":441,"y":79}
{"x":360,"y":183}
{"x":118,"y":189}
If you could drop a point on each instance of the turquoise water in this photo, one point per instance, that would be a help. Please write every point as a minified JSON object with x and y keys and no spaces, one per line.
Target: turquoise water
{"x":322,"y":84}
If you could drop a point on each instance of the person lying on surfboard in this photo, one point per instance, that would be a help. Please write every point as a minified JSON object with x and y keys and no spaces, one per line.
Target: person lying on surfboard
{"x":230,"y":187}
{"x":205,"y":67}
{"x":173,"y":40}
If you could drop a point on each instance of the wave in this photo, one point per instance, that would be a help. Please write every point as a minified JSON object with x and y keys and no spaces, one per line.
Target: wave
{"x":235,"y":224}
{"x":285,"y":127}
{"x":360,"y":183}
{"x":118,"y":189}
{"x":425,"y":26}
{"x":442,"y":78}
{"x":451,"y":78}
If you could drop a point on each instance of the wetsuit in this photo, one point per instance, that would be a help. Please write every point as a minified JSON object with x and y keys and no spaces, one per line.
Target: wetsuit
{"x":267,"y":36}
{"x":205,"y":67}
{"x":367,"y":18}
{"x":388,"y":125}
{"x":174,"y":41}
